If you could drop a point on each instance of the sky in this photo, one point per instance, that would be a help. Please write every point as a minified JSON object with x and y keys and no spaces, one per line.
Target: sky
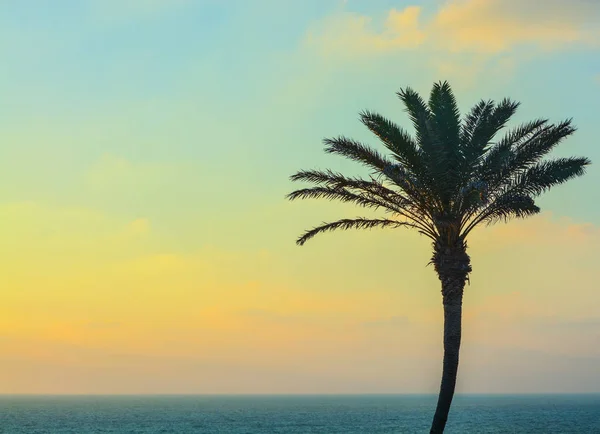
{"x":146,"y":242}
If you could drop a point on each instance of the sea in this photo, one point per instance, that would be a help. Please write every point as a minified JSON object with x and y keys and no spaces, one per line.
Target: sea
{"x":359,"y":414}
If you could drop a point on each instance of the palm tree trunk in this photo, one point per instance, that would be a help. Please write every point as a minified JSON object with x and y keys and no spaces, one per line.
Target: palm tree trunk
{"x":452,"y":264}
{"x":452,"y":332}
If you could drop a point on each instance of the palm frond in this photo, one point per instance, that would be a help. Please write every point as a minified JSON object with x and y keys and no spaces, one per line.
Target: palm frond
{"x":336,"y":181}
{"x":541,"y":144}
{"x":327,"y":177}
{"x":394,"y":138}
{"x":480,"y":127}
{"x":447,"y":155}
{"x":485,"y":131}
{"x":516,"y":199}
{"x":357,"y":223}
{"x":430,"y":145}
{"x":370,"y":194}
{"x":543,"y":175}
{"x":496,"y":164}
{"x":471,"y":125}
{"x":419,"y":114}
{"x":417,"y":191}
{"x":445,"y":116}
{"x":356,"y":151}
{"x":504,"y":207}
{"x":511,"y":206}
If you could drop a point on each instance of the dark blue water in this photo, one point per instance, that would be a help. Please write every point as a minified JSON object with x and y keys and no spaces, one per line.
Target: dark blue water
{"x":296,"y":414}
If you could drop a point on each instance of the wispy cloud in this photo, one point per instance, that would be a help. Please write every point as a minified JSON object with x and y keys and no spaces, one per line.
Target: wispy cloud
{"x":492,"y":26}
{"x":477,"y":26}
{"x":462,"y":39}
{"x":353,"y":34}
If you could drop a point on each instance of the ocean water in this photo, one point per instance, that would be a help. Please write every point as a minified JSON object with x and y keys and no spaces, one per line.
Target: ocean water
{"x":362,"y":414}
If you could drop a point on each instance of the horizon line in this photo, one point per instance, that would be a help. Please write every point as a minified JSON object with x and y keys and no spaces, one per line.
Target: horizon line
{"x":300,"y":394}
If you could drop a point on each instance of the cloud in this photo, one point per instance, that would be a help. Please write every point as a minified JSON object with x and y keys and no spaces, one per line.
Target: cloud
{"x":460,"y":41}
{"x":354,"y":32}
{"x":474,"y":26}
{"x":493,"y":26}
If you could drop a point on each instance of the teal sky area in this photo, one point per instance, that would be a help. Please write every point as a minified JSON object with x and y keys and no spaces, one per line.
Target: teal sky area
{"x":231,"y":89}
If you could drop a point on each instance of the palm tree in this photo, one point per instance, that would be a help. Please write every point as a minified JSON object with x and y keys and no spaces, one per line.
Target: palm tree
{"x":448,"y":179}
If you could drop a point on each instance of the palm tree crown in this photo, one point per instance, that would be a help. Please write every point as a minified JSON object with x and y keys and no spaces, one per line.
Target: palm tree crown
{"x":452,"y":175}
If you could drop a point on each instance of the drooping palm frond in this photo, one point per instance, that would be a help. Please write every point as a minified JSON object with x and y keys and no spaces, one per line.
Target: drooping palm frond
{"x":504,"y":207}
{"x":414,"y":188}
{"x":371,"y":194}
{"x":342,"y":195}
{"x":372,"y":159}
{"x":357,"y":223}
{"x":336,"y":182}
{"x":517,"y":198}
{"x":381,"y":165}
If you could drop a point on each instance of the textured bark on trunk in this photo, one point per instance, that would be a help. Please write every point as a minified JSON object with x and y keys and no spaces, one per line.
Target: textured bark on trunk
{"x":452,"y":266}
{"x":452,"y":331}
